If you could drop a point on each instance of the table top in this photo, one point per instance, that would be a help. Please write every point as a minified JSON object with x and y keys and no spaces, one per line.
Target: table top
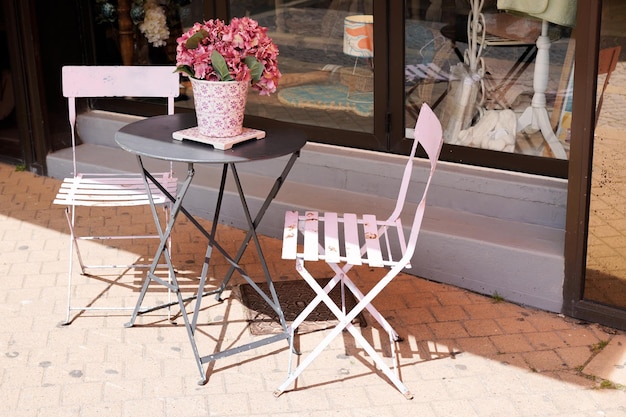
{"x":152,"y":137}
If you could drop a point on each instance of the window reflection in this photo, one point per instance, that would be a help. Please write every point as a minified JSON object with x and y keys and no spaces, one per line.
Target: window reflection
{"x":323,"y":83}
{"x":483,"y":83}
{"x":141,"y":32}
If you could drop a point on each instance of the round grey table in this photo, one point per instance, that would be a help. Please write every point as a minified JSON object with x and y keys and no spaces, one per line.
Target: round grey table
{"x":152,"y":138}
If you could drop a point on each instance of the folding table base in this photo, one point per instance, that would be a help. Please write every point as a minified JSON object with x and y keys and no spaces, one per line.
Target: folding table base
{"x":172,"y":282}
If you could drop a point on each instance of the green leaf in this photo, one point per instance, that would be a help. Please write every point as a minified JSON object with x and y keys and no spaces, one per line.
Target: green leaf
{"x":193,"y":41}
{"x":219,"y":65}
{"x":256,"y":69}
{"x":185,"y":69}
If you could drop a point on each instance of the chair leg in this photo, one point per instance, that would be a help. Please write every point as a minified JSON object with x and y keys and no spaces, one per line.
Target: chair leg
{"x":314,"y":303}
{"x":345,"y":322}
{"x":70,"y":270}
{"x":70,"y":214}
{"x":167,"y":210}
{"x":342,"y":271}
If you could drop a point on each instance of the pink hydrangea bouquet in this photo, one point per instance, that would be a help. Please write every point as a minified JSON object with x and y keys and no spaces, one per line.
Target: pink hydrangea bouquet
{"x":239,"y":51}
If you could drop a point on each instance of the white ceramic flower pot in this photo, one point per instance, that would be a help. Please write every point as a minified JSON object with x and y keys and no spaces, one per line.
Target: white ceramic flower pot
{"x":220,"y":106}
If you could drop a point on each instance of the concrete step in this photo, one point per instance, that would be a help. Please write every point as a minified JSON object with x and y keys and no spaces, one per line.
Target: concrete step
{"x":485,"y":230}
{"x":474,"y":251}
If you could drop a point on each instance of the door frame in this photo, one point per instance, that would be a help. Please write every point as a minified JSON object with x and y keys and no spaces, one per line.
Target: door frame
{"x":23,"y":42}
{"x":580,"y":170}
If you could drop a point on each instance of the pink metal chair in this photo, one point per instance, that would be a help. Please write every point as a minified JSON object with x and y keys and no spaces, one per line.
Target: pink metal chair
{"x":364,"y":240}
{"x":110,"y":190}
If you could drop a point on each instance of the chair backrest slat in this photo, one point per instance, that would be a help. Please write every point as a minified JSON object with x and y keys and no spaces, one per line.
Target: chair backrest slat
{"x":120,"y":81}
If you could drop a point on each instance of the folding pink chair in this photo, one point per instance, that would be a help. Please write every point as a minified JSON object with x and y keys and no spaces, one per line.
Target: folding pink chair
{"x":365,"y":241}
{"x":88,"y":189}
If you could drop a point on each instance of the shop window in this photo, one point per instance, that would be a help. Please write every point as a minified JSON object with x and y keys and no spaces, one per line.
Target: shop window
{"x":141,"y":32}
{"x":479,"y":83}
{"x":324,"y":83}
{"x":326,"y":58}
{"x":482,"y":71}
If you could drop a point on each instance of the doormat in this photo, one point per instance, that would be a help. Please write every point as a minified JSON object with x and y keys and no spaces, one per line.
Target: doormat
{"x":293,"y":296}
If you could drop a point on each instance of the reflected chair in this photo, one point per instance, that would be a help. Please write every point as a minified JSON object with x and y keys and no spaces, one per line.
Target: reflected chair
{"x":115,"y":190}
{"x":607,"y":62}
{"x":346,"y":240}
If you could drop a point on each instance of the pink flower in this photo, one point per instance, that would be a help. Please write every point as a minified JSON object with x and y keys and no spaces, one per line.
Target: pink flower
{"x":241,"y":44}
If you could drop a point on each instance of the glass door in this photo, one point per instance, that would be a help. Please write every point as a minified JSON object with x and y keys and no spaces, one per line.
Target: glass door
{"x":594,"y":262}
{"x":605,"y":277}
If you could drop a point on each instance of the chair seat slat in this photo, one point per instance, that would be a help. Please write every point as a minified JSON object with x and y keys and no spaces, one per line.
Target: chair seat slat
{"x":113,"y":182}
{"x":311,"y":240}
{"x":331,"y":238}
{"x":107,"y":203}
{"x":107,"y":197}
{"x":106,"y":191}
{"x":290,"y":235}
{"x":372,"y":243}
{"x":120,"y":187}
{"x":352,"y":246}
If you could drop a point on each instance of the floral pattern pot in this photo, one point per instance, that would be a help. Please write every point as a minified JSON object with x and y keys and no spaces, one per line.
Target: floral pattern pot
{"x":220,"y":106}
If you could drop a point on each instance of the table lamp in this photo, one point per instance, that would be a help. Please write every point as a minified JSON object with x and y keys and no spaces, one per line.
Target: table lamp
{"x":358,"y":41}
{"x":358,"y":36}
{"x":560,"y":12}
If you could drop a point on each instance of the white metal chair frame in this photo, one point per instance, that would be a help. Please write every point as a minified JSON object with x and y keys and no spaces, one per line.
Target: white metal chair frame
{"x":118,"y":189}
{"x":365,"y":240}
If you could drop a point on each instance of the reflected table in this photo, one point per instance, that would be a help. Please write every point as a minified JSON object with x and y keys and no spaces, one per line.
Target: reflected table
{"x":152,"y":138}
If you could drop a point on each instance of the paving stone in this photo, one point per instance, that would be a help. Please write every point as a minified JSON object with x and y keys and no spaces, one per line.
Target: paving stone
{"x":610,"y":362}
{"x":463,"y":354}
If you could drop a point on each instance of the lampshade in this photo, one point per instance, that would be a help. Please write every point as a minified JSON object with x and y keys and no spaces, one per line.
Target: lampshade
{"x":561,"y":12}
{"x":358,"y":36}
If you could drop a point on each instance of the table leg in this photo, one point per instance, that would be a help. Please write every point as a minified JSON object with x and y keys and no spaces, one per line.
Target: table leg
{"x":273,"y":302}
{"x":212,"y":244}
{"x":164,"y":235}
{"x":162,"y":251}
{"x":253,"y":225}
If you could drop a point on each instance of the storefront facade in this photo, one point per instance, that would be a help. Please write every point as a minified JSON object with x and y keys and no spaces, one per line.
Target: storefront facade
{"x":512,"y":208}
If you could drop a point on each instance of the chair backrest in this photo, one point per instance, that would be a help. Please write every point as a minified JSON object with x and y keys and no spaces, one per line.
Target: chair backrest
{"x":428,"y":133}
{"x":117,"y":81}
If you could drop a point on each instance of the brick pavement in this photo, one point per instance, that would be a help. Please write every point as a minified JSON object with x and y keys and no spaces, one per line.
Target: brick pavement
{"x":464,"y":354}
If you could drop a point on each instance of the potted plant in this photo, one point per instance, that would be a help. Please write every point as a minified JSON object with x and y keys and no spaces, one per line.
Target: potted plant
{"x":222,"y":61}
